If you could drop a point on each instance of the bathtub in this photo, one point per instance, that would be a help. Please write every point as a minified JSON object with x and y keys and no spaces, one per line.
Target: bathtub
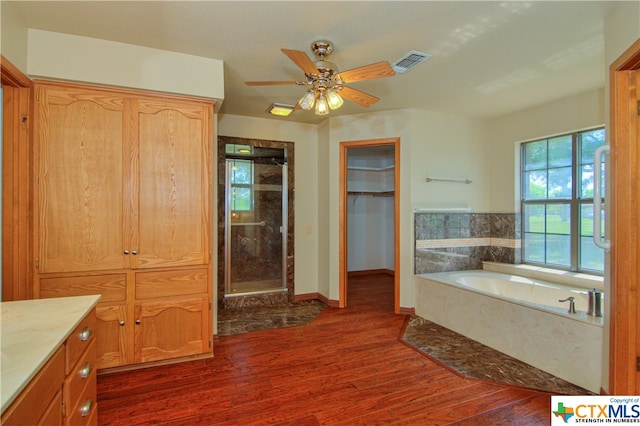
{"x":518,"y":316}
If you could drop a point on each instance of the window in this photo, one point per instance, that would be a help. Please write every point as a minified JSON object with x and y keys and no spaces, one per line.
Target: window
{"x":241,"y":185}
{"x":557,"y":201}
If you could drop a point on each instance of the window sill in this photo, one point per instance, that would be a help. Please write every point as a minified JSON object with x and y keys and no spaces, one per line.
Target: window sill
{"x":576,"y":279}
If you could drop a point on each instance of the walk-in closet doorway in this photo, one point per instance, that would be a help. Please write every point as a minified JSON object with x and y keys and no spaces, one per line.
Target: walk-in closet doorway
{"x":369,"y":206}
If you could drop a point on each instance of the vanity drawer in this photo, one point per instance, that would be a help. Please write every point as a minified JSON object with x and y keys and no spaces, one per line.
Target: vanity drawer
{"x":80,"y":376}
{"x":79,"y":340}
{"x":82,"y":412}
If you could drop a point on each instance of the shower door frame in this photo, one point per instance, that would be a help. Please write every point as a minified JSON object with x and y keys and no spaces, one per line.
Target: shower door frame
{"x":289,"y":295}
{"x":283,"y":228}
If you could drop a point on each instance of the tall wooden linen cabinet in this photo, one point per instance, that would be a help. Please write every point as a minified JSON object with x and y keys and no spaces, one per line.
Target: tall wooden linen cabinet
{"x":123,"y":209}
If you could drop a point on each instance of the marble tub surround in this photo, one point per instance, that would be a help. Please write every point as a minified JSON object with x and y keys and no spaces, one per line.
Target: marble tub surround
{"x":569,"y":347}
{"x":32,"y":330}
{"x":450,"y":241}
{"x":260,"y":317}
{"x":475,"y":360}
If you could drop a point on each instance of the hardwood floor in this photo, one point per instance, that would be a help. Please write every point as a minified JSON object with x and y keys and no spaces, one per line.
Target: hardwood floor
{"x":348,"y":367}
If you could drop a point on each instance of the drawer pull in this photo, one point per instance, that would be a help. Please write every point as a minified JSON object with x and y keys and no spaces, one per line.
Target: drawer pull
{"x":85,"y":371}
{"x":85,"y":409}
{"x":126,"y":252}
{"x":138,"y":321}
{"x":121,"y":323}
{"x":134,"y":252}
{"x":85,"y":334}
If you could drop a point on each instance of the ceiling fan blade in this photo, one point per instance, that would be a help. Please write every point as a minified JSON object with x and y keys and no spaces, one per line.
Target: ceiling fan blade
{"x":368,"y":72}
{"x":269,"y":83}
{"x":358,"y":97}
{"x":302,"y":60}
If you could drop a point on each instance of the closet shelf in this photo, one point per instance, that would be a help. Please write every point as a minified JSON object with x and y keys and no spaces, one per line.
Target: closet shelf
{"x":371,"y":169}
{"x":373,"y":193}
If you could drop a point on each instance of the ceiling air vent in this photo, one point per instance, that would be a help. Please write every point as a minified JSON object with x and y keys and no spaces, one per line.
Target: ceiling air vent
{"x":409,"y":61}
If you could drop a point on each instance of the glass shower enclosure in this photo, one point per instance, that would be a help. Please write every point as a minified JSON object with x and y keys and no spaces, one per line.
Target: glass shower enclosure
{"x":255,"y":220}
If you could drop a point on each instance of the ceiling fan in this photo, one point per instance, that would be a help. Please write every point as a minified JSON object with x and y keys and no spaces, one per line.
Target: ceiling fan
{"x":326,"y":86}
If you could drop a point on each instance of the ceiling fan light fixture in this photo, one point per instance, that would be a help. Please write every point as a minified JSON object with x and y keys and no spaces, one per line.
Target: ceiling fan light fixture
{"x":281,"y":110}
{"x":334,"y":100}
{"x":307,"y":101}
{"x":322,"y":107}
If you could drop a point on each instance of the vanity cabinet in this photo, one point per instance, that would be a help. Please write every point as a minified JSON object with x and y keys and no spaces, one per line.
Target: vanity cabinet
{"x":41,"y":401}
{"x":63,"y":390}
{"x":124,"y":192}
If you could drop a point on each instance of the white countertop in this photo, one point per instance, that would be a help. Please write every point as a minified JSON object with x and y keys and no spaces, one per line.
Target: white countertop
{"x":30,"y":333}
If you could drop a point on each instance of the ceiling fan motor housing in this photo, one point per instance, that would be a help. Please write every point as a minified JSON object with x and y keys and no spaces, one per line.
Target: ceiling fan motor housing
{"x":322,"y":48}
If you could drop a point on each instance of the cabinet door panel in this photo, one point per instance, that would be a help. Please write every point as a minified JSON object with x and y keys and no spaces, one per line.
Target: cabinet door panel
{"x":174,"y":184}
{"x":80,"y":180}
{"x":171,"y":329}
{"x":112,"y":342}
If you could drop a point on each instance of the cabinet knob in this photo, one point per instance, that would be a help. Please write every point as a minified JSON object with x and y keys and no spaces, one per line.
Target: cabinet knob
{"x":85,"y":371}
{"x":85,"y":334}
{"x":121,"y":323}
{"x":138,"y":321}
{"x":126,"y":252}
{"x":134,"y":252}
{"x":85,"y":408}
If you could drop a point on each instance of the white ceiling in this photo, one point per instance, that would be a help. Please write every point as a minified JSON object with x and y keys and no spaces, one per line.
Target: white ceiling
{"x":489,"y":57}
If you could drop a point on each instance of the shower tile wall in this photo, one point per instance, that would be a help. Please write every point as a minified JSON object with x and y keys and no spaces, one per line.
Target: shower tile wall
{"x":461,"y":241}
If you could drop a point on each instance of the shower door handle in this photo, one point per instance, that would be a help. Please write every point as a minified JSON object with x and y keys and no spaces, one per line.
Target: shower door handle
{"x":597,"y":198}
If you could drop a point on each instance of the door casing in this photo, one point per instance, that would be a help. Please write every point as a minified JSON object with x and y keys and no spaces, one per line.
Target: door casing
{"x":343,"y":240}
{"x":624,"y":132}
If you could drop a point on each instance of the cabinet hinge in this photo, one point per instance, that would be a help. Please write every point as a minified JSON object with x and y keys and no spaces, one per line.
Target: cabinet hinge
{"x":638,"y":363}
{"x":638,"y":107}
{"x":210,"y":343}
{"x":37,"y":96}
{"x":24,"y":121}
{"x":64,"y":409}
{"x":37,"y":263}
{"x":37,"y":180}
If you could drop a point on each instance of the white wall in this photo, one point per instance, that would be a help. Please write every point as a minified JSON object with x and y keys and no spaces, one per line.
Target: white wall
{"x":305,"y":137}
{"x":370,"y":216}
{"x":562,"y":116}
{"x":13,"y":37}
{"x":370,"y":233}
{"x":452,"y":147}
{"x":430,"y":142}
{"x":85,"y":59}
{"x":389,"y":124}
{"x":323,"y":197}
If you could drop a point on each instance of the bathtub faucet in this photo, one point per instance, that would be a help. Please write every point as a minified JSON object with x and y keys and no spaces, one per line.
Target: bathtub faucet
{"x":572,"y":304}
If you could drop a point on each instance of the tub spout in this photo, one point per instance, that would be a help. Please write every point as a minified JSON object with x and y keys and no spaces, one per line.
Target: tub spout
{"x":572,"y":304}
